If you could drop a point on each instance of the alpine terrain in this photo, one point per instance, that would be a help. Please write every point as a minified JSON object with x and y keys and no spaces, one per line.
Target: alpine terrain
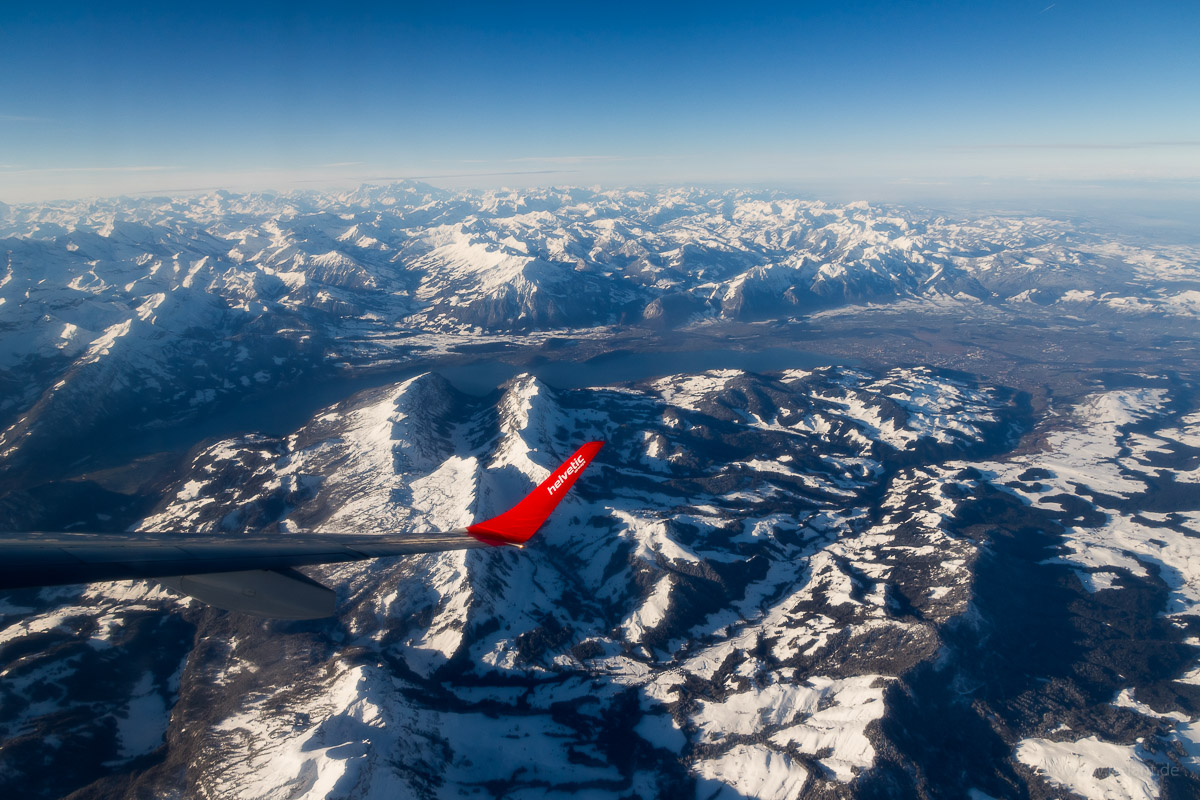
{"x":893,"y":502}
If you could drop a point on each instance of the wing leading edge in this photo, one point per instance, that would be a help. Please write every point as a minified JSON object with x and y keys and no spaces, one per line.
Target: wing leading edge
{"x":257,"y":574}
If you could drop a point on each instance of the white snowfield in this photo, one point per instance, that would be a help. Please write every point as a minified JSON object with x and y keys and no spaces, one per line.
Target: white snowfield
{"x":1096,"y":457}
{"x":1091,"y":768}
{"x":1095,"y":454}
{"x":820,"y":715}
{"x":747,"y":770}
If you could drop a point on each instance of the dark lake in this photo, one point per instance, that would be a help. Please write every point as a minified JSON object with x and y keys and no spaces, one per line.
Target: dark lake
{"x":279,"y":412}
{"x":623,"y":366}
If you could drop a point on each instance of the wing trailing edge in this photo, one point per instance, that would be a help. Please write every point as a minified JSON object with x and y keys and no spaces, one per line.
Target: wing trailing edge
{"x":274,"y":593}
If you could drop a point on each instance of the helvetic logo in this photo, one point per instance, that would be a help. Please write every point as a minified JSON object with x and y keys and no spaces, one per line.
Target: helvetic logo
{"x":573,"y":466}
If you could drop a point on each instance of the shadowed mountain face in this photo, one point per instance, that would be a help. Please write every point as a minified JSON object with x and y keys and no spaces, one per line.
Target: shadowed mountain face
{"x":809,"y":582}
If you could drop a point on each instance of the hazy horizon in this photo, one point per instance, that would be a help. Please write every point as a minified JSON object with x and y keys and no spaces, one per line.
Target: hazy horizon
{"x":886,"y":101}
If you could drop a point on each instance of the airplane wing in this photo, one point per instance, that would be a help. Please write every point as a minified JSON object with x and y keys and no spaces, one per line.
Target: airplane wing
{"x":256,"y":574}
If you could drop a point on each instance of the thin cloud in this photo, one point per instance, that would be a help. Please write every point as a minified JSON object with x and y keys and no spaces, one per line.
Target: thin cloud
{"x":1084,"y":145}
{"x":469,"y":175}
{"x":20,"y":118}
{"x":1047,"y":8}
{"x":345,"y":164}
{"x":563,"y":159}
{"x":55,"y":170}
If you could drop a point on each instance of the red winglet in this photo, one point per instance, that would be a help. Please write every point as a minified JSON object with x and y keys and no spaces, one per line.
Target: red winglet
{"x":522,"y":521}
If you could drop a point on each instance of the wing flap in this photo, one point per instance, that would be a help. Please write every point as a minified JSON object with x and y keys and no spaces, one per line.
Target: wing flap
{"x":274,"y":593}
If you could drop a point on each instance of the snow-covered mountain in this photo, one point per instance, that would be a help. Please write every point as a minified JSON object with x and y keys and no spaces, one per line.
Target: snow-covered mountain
{"x":133,"y":307}
{"x":884,"y":580}
{"x":409,"y":256}
{"x":767,"y":586}
{"x":718,"y":578}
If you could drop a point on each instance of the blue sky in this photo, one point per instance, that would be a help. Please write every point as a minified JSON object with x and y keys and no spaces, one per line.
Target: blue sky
{"x":108,"y":98}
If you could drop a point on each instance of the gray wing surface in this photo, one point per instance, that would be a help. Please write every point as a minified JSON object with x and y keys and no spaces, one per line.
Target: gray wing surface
{"x":256,"y":574}
{"x":54,"y":559}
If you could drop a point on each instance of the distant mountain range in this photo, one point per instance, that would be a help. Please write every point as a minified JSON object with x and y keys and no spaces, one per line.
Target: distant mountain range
{"x":158,"y":307}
